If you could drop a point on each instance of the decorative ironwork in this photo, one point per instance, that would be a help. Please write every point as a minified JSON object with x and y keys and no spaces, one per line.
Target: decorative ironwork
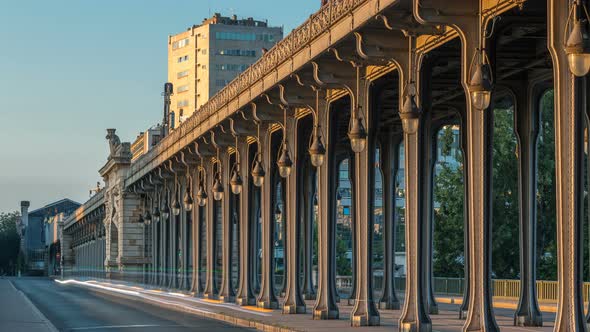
{"x":317,"y":24}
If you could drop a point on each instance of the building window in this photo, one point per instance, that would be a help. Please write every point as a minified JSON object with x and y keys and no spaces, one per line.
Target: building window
{"x":180,"y":43}
{"x":182,"y":74}
{"x":235,"y":36}
{"x":172,"y":124}
{"x":182,"y":103}
{"x":230,"y":67}
{"x":266,"y":37}
{"x":221,"y":83}
{"x":183,"y":59}
{"x":204,"y":51}
{"x":237,"y":52}
{"x":182,"y":88}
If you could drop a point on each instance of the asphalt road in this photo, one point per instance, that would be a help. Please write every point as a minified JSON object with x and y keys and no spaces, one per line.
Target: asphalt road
{"x":72,"y":308}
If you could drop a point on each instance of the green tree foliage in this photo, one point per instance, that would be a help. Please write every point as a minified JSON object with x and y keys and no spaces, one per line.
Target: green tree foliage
{"x":9,"y":243}
{"x":546,"y":222}
{"x":448,"y":237}
{"x":343,"y":266}
{"x":505,"y":227}
{"x":448,"y":216}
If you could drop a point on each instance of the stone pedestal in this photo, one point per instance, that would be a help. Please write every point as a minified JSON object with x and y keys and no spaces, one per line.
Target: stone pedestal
{"x":124,"y":234}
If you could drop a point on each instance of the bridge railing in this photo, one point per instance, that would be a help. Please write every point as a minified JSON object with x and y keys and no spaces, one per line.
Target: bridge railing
{"x":502,"y":288}
{"x":315,"y":26}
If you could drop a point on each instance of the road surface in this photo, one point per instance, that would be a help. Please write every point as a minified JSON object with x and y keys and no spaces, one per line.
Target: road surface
{"x":71,"y":308}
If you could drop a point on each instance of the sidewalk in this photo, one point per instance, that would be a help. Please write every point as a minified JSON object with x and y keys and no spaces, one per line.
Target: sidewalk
{"x":545,"y":307}
{"x":274,"y":320}
{"x":18,"y":314}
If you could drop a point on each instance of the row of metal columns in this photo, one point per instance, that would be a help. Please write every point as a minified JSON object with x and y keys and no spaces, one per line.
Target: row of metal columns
{"x":477,"y":142}
{"x":89,"y":258}
{"x":420,"y":159}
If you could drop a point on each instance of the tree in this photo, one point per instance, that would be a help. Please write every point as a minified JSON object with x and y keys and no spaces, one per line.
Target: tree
{"x":448,"y":260}
{"x":505,"y":209}
{"x":9,"y":243}
{"x":448,"y":235}
{"x":546,"y":222}
{"x":343,"y":267}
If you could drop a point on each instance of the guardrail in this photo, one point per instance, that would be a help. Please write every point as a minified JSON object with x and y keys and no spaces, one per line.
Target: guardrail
{"x":502,"y":288}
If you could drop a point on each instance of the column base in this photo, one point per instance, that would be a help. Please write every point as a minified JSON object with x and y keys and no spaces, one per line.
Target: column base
{"x":227,"y":298}
{"x":267,"y":304}
{"x":528,"y":320}
{"x":433,"y":310}
{"x":322,"y":314}
{"x":390,"y":305}
{"x":210,"y":296}
{"x":243,"y":301}
{"x":415,"y":327}
{"x":294,"y":309}
{"x":185,"y":284}
{"x":463,"y":314}
{"x":365,"y":320}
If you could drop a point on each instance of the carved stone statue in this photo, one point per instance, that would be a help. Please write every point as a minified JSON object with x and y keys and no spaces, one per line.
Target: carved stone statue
{"x":114,"y":141}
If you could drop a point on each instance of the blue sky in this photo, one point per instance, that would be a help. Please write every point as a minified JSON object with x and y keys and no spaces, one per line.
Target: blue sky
{"x":69,"y":69}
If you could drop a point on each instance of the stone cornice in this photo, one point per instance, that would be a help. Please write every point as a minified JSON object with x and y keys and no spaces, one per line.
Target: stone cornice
{"x":91,"y":205}
{"x":112,"y":162}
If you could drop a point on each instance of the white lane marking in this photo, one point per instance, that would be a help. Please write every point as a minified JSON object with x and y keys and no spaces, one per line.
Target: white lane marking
{"x":136,"y":294}
{"x":169,"y":294}
{"x":47,"y":322}
{"x":116,"y":290}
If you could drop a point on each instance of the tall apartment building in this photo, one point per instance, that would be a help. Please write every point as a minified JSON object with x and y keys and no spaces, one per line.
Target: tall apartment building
{"x":206,"y":57}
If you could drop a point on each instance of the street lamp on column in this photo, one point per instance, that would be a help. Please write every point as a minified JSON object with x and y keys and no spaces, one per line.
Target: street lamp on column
{"x":201,"y":193}
{"x":257,"y":168}
{"x":217,"y":183}
{"x":317,"y":150}
{"x":156,"y":213}
{"x":577,"y":45}
{"x":165,"y":209}
{"x":176,"y":200}
{"x":357,"y":133}
{"x":481,"y":80}
{"x":236,"y":181}
{"x":188,"y":194}
{"x":410,"y":112}
{"x":284,"y":161}
{"x":481,"y":83}
{"x":146,"y":217}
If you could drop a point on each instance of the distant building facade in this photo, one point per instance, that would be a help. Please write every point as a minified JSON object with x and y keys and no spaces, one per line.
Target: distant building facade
{"x":206,"y":57}
{"x":145,"y":141}
{"x":39,"y":234}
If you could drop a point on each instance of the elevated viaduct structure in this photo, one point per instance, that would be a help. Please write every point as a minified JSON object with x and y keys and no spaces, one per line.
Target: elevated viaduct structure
{"x":357,"y":76}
